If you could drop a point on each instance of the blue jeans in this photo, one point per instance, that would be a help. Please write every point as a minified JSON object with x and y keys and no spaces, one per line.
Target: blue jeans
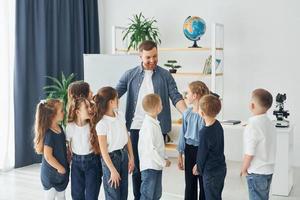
{"x":213,"y":184}
{"x":151,"y":187}
{"x":86,"y":176}
{"x":259,"y":186}
{"x":119,"y":159}
{"x":52,"y":179}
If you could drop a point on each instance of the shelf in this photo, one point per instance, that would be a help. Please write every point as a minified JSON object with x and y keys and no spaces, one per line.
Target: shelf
{"x":170,"y":49}
{"x":176,"y":122}
{"x":189,"y":49}
{"x":170,"y":147}
{"x":194,"y":74}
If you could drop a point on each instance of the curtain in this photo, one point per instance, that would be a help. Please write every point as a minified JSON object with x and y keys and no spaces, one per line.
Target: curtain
{"x":7,"y":25}
{"x":51,"y":37}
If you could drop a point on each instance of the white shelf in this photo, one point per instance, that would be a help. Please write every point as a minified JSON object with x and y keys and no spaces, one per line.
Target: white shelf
{"x":170,"y":147}
{"x":208,"y":49}
{"x":194,"y":74}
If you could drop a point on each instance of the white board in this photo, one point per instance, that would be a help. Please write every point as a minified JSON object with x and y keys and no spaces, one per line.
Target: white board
{"x":102,"y":70}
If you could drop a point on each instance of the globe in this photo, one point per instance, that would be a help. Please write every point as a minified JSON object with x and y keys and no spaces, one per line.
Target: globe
{"x":193,"y":28}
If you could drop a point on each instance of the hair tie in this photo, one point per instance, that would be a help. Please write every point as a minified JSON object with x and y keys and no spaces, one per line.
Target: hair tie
{"x":43,"y":101}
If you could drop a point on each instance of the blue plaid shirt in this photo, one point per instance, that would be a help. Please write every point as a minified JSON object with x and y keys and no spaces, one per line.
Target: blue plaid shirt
{"x":163,"y":84}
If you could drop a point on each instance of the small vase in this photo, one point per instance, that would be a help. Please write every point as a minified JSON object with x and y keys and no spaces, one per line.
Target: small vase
{"x":173,"y":71}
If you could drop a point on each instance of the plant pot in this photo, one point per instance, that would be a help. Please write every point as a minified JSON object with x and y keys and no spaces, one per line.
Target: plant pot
{"x":173,"y":71}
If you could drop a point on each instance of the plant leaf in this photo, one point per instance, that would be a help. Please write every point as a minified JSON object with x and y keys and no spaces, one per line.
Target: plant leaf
{"x":55,"y":80}
{"x":139,"y":29}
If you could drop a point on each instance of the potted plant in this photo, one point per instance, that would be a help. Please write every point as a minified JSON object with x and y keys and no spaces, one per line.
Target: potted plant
{"x":141,"y":29}
{"x":59,"y":90}
{"x":173,"y":65}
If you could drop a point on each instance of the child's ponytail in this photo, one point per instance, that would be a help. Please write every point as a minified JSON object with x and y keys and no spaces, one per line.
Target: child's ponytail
{"x":101,"y":100}
{"x":45,"y":112}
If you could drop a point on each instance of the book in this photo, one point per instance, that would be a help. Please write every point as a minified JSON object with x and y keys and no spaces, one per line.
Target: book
{"x":207,"y":65}
{"x":231,"y":122}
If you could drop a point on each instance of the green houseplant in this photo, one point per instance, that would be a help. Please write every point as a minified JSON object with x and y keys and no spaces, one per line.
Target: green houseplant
{"x":59,"y":90}
{"x":173,"y":66}
{"x":141,"y":29}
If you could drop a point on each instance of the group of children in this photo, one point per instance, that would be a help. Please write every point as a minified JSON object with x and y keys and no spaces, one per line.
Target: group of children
{"x":99,"y":148}
{"x":201,"y":146}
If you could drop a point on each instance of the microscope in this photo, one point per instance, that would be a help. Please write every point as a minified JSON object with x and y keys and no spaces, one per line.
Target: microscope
{"x":280,"y":113}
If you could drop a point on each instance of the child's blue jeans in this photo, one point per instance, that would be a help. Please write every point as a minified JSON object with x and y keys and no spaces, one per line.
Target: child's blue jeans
{"x":151,"y":187}
{"x":119,"y":159}
{"x":86,"y":176}
{"x":259,"y":186}
{"x":214,"y":183}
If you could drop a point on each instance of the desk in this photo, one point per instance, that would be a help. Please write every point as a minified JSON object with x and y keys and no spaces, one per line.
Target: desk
{"x":233,"y":142}
{"x":233,"y":149}
{"x":282,"y":182}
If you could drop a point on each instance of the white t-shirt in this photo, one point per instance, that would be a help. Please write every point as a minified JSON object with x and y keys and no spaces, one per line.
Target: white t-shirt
{"x":146,"y":88}
{"x":115,"y":130}
{"x":151,"y":146}
{"x":79,"y":136}
{"x":260,"y":142}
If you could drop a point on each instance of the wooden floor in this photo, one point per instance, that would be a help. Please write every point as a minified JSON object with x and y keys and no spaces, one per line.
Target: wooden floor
{"x":24,"y":184}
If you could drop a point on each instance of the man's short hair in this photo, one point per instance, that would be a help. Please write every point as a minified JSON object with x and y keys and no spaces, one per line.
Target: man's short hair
{"x":147,"y":45}
{"x":210,"y":105}
{"x":264,"y":98}
{"x":199,"y":88}
{"x":150,"y":102}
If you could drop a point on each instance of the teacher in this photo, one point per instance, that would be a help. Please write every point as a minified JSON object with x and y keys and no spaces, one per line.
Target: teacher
{"x":139,"y":81}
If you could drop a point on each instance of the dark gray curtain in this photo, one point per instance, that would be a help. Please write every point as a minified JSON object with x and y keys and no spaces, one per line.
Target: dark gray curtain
{"x":51,"y":37}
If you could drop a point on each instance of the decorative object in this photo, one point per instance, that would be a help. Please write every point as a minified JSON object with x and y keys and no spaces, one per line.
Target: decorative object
{"x":280,"y":113}
{"x":184,"y":94}
{"x":173,"y":65}
{"x":193,"y":28}
{"x":59,"y":90}
{"x":207,"y":65}
{"x":141,"y":29}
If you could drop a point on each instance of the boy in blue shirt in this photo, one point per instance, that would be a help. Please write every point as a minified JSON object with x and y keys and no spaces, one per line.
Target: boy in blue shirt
{"x":192,"y":123}
{"x":210,"y":157}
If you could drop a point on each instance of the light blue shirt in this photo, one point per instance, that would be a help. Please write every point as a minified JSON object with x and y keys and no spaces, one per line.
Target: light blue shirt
{"x":192,"y":123}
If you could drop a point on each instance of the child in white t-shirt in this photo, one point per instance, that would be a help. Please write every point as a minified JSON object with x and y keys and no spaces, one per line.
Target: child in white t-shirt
{"x":86,"y":169}
{"x":259,"y":146}
{"x":115,"y":145}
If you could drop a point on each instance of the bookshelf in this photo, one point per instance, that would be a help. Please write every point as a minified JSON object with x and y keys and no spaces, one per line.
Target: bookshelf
{"x":215,"y":78}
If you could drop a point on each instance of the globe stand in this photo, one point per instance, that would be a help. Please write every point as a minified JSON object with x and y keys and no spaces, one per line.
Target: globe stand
{"x":195,"y":45}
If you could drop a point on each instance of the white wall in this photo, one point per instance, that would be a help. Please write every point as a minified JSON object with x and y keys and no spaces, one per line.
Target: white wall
{"x":261,"y":40}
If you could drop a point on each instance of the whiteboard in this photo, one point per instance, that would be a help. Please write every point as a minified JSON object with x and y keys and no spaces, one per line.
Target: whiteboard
{"x":102,"y":70}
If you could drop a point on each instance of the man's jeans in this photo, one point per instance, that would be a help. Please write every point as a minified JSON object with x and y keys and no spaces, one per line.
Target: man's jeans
{"x":151,"y":187}
{"x":136,"y":175}
{"x":119,"y":159}
{"x":259,"y":186}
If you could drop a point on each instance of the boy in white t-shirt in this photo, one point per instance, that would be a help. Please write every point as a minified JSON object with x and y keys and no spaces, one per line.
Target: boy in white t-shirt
{"x":151,"y":148}
{"x":259,"y":146}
